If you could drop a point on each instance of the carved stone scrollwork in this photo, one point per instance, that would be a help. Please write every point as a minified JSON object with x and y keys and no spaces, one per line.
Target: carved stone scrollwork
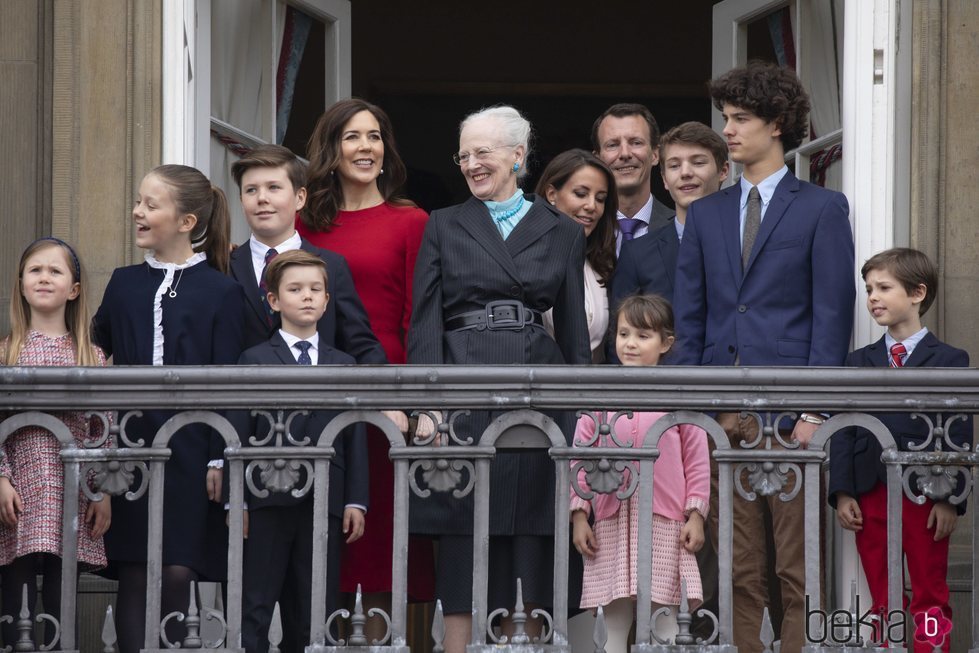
{"x":938,"y":483}
{"x":519,"y":620}
{"x":192,"y":622}
{"x":280,"y":427}
{"x":119,"y":429}
{"x":605,"y":477}
{"x":445,"y":430}
{"x":357,"y":620}
{"x":108,"y":430}
{"x":767,"y":478}
{"x":442,"y":475}
{"x":115,"y":477}
{"x":604,"y":434}
{"x":279,"y":476}
{"x":939,"y":433}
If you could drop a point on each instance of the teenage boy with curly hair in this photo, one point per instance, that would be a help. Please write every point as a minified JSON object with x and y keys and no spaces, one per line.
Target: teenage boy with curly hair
{"x":765,"y":276}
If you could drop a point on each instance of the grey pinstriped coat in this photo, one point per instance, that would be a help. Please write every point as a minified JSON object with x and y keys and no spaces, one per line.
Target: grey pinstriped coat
{"x":463,"y":264}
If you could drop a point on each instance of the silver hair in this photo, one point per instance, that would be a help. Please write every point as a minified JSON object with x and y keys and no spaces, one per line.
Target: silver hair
{"x":515,"y":129}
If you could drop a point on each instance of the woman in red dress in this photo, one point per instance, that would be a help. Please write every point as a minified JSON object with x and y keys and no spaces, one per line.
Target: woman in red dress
{"x":354,"y":174}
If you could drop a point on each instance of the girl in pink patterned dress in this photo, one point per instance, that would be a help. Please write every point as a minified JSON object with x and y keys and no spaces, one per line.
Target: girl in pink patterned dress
{"x":49,"y":326}
{"x":681,"y":487}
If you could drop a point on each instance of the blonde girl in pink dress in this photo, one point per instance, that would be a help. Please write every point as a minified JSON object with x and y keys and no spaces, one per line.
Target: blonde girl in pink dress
{"x":681,"y":491}
{"x":48,"y":326}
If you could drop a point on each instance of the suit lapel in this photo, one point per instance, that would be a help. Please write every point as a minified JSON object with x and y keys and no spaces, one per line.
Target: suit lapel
{"x":475,"y":219}
{"x":923,"y":351}
{"x":538,"y":221}
{"x":669,"y":246}
{"x":281,"y":350}
{"x":877,"y":354}
{"x":244,"y":273}
{"x":783,"y":196}
{"x":731,"y":229}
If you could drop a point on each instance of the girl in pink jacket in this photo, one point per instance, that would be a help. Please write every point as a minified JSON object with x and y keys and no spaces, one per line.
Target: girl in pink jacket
{"x":681,"y":490}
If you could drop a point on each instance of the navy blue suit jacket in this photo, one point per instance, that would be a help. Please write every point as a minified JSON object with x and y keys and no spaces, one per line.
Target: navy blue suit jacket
{"x":854,"y":463}
{"x":647,"y":265}
{"x":793,"y":305}
{"x":349,"y":480}
{"x":344,"y":325}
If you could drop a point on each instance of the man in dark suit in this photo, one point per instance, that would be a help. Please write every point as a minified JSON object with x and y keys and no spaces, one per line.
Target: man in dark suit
{"x":626,"y":137}
{"x":901,"y":283}
{"x":765,"y":277}
{"x":693,"y":163}
{"x":272,"y":183}
{"x":279,"y":549}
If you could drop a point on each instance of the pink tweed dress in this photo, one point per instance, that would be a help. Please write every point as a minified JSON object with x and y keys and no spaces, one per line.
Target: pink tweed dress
{"x":681,"y":484}
{"x":32,"y":462}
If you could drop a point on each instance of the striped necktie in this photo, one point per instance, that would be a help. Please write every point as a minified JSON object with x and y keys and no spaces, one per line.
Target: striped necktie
{"x":898,"y":353}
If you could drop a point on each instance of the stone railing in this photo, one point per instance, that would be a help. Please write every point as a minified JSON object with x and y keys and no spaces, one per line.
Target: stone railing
{"x":522,"y":401}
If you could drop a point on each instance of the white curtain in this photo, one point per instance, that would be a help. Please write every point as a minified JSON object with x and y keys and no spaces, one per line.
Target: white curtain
{"x":826,"y":71}
{"x":243,"y":64}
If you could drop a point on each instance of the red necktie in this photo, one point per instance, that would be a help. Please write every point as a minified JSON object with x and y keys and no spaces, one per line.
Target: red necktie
{"x":898,"y":352}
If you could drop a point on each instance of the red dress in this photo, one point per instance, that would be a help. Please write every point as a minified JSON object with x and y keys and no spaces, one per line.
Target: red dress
{"x":380,"y":245}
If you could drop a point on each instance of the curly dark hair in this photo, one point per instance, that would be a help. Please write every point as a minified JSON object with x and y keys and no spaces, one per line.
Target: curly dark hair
{"x":600,"y":245}
{"x":769,"y":91}
{"x":325,"y":194}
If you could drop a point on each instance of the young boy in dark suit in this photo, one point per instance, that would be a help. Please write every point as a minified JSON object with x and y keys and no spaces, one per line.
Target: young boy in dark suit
{"x":901,"y":286}
{"x":272,"y":183}
{"x":279,"y":549}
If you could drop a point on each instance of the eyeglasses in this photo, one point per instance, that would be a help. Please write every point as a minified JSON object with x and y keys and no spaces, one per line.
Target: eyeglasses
{"x":481,"y":154}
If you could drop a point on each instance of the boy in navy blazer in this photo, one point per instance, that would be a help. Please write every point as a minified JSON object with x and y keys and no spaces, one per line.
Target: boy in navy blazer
{"x":279,"y":549}
{"x":693,"y":164}
{"x":765,"y":277}
{"x":901,"y":285}
{"x":272,"y":182}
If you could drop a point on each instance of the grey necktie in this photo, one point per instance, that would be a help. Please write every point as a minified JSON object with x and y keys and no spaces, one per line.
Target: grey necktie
{"x":751,"y":224}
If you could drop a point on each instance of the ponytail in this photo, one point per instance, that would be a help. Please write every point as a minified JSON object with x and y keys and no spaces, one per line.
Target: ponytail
{"x":217,"y":239}
{"x":194,"y":194}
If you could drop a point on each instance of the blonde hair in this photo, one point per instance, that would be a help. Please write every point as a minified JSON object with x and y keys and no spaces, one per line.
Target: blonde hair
{"x":76,"y":310}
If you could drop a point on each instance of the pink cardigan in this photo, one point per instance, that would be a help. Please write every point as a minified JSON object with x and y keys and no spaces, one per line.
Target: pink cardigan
{"x":681,"y":479}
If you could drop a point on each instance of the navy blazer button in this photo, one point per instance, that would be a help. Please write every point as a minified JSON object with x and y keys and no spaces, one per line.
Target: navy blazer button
{"x":514,"y":291}
{"x":730,"y":349}
{"x":742,"y":309}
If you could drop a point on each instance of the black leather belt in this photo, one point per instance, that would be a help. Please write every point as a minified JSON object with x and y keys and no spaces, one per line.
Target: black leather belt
{"x":503,"y":314}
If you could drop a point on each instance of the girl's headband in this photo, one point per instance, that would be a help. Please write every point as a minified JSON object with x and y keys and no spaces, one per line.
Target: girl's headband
{"x":74,"y":257}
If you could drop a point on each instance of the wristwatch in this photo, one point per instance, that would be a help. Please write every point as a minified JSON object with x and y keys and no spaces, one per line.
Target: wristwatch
{"x":811,"y":419}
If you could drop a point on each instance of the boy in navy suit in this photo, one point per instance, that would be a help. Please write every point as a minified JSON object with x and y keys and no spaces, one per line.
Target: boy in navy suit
{"x":901,"y":285}
{"x":765,"y":277}
{"x":279,"y":549}
{"x":272,"y":182}
{"x":693,"y":163}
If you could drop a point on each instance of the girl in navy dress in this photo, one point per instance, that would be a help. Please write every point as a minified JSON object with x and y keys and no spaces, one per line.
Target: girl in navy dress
{"x":177,"y":308}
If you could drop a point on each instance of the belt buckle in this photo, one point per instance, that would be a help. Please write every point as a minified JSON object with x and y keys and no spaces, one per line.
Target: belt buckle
{"x":496,"y":317}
